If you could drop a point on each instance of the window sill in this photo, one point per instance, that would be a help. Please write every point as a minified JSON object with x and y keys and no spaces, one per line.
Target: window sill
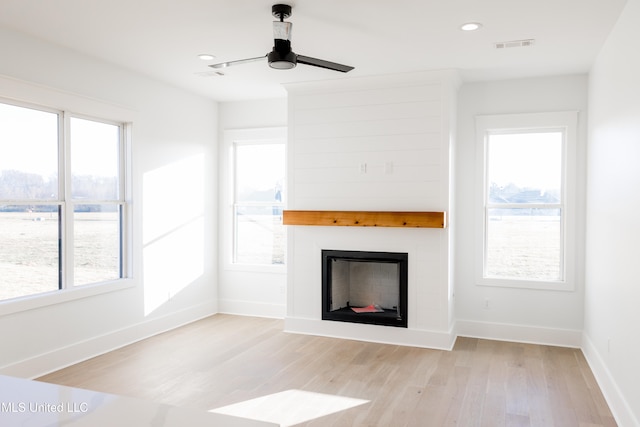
{"x":526,"y":284}
{"x":32,"y":302}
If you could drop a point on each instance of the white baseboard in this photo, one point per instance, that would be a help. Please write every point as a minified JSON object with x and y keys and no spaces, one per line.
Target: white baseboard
{"x":372,"y":333}
{"x":67,"y":356}
{"x":250,"y":308}
{"x":519,"y":333}
{"x":615,"y":399}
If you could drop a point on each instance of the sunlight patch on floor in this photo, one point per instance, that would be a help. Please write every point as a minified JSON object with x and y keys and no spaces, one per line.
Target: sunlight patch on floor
{"x":290,"y":407}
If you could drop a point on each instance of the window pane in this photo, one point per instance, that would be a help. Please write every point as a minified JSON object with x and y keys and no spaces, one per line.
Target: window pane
{"x":259,"y":178}
{"x":97,"y":243}
{"x":260,"y":170}
{"x":95,"y":156}
{"x":260,"y":236}
{"x":29,"y":256}
{"x":524,"y":244}
{"x":28,"y":153}
{"x":525,"y":167}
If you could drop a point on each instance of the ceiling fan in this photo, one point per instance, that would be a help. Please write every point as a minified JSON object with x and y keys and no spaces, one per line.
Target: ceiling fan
{"x":282,"y":57}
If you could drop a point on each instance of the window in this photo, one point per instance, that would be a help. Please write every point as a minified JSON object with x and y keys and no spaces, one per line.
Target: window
{"x":62,"y":201}
{"x":257,"y":160}
{"x":95,"y":196}
{"x":527,"y":199}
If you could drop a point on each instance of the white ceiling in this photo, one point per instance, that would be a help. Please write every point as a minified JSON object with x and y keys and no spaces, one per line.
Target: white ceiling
{"x":162,"y":38}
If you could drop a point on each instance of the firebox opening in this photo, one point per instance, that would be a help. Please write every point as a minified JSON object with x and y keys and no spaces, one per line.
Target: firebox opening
{"x":365,"y":287}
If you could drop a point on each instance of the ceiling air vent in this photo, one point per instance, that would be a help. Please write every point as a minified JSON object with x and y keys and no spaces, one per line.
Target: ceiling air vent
{"x":515,"y":43}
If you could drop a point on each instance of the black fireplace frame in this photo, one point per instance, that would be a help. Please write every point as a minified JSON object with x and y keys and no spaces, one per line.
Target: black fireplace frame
{"x":389,"y":317}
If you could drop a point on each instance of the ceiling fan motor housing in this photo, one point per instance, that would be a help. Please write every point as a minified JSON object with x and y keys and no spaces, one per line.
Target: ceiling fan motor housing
{"x":281,"y":57}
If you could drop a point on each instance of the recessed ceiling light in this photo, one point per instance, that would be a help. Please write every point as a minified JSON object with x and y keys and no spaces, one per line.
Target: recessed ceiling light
{"x":471,"y":26}
{"x":206,"y":56}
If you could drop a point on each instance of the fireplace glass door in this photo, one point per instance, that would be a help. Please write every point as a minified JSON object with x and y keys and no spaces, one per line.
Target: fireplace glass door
{"x":365,"y":287}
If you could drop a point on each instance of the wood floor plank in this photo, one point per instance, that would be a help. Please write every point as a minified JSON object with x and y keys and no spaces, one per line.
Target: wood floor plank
{"x":517,"y":421}
{"x":494,"y":410}
{"x":223,"y":359}
{"x":516,"y":391}
{"x":537,"y":393}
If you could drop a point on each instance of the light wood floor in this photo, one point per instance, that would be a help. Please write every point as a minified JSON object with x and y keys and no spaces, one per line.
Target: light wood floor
{"x":228,"y":359}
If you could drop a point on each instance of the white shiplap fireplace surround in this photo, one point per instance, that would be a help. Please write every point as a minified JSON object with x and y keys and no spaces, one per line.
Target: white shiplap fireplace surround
{"x":373,"y":144}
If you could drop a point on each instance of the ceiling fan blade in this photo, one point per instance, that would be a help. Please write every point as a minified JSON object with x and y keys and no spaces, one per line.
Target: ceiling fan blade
{"x":323,"y":64}
{"x":236,"y":62}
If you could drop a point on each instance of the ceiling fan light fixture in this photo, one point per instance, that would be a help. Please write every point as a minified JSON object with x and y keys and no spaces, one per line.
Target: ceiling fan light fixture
{"x":282,"y":65}
{"x":282,"y":61}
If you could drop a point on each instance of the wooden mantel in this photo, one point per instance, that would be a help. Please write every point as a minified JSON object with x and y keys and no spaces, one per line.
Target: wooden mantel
{"x":366,"y":218}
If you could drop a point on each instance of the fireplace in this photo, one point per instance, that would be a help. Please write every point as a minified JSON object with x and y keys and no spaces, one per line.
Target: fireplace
{"x":365,"y":287}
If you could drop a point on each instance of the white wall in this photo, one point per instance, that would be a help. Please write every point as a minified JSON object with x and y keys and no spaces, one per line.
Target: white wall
{"x":174,"y":207}
{"x":612,"y":314}
{"x":514,"y":314}
{"x":377,"y":143}
{"x":247,"y":291}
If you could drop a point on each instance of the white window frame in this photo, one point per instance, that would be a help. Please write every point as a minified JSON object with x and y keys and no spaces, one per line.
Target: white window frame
{"x":70,"y":203}
{"x":231,"y":138}
{"x":104,"y":113}
{"x":567,"y":122}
